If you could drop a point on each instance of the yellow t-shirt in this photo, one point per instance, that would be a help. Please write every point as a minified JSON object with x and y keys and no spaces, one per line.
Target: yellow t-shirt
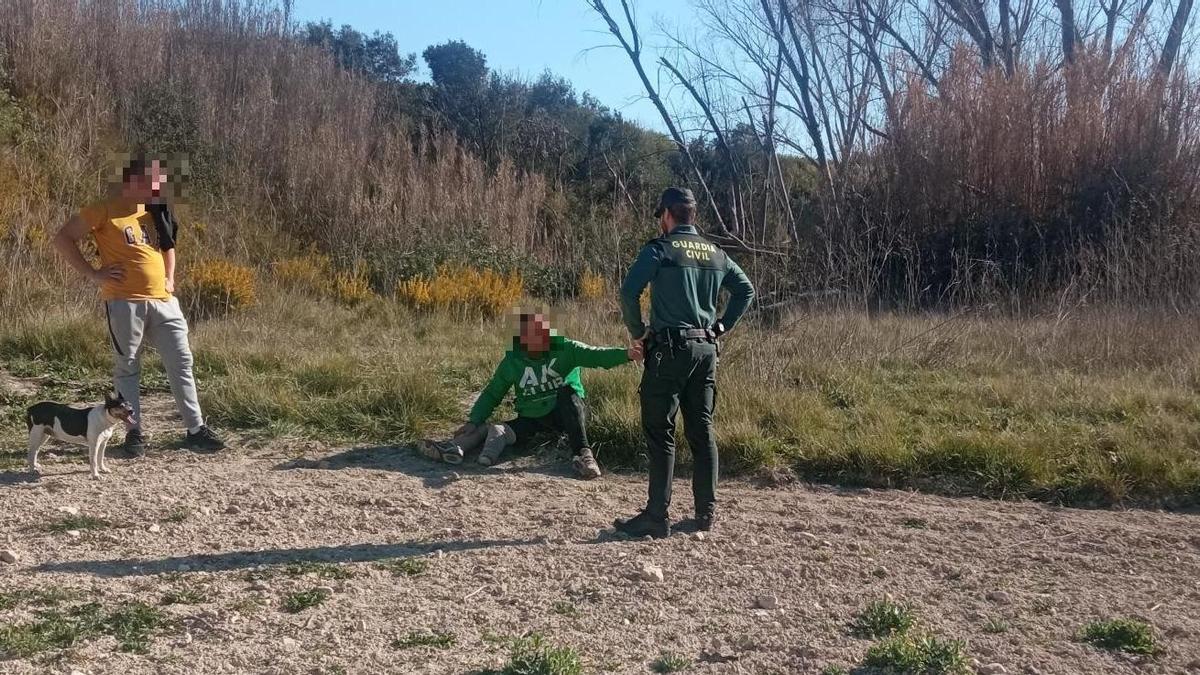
{"x":125,"y":236}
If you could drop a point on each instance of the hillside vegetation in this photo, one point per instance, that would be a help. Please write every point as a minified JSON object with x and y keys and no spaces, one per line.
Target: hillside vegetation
{"x":351,"y":249}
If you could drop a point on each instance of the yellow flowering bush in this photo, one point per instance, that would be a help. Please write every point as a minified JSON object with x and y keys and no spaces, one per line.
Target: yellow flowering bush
{"x":463,"y":289}
{"x":592,"y":286}
{"x":315,"y":273}
{"x":217,"y":287}
{"x":312,"y":273}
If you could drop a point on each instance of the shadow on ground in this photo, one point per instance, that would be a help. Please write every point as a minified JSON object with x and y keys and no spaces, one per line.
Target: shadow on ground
{"x":17,"y":477}
{"x":236,"y":560}
{"x":435,"y":475}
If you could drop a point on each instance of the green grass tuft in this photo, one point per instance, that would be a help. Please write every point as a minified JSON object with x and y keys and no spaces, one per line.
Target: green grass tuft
{"x":533,"y":655}
{"x":995,"y":626}
{"x":81,"y":523}
{"x":669,"y":662}
{"x":178,"y":514}
{"x":883,"y":618}
{"x":436,"y":640}
{"x":132,"y":624}
{"x":52,"y":597}
{"x":186,"y":596}
{"x":1124,"y":635}
{"x":299,"y":601}
{"x":404,"y":567}
{"x":909,"y":654}
{"x":564,"y":608}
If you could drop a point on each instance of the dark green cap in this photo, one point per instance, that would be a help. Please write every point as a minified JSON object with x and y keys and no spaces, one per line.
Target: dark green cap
{"x":674,"y":196}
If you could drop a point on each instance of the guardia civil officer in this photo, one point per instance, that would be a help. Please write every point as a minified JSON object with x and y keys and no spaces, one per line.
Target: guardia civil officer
{"x":685,"y":272}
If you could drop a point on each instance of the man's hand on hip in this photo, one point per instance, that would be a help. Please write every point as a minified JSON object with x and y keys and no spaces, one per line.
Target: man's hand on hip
{"x":108,"y":273}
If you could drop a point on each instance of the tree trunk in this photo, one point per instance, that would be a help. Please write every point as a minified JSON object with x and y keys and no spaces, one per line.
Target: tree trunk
{"x":1175,"y":38}
{"x":1067,"y":11}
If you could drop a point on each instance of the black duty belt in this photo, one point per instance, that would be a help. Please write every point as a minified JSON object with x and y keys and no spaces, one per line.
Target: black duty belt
{"x":680,"y":335}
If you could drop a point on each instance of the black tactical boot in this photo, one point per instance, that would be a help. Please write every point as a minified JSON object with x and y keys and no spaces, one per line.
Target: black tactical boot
{"x":644,"y":524}
{"x":703,"y":522}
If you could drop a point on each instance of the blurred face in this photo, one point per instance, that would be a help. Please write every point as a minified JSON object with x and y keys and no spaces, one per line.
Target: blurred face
{"x":535,"y":334}
{"x":145,"y":187}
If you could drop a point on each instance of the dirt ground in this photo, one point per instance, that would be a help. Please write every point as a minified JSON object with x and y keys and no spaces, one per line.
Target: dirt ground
{"x":527,"y":548}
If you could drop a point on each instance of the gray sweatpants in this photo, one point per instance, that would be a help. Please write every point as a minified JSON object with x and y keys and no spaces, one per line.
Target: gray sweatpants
{"x":134,"y":323}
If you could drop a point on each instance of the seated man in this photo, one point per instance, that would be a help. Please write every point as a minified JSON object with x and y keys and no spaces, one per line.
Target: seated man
{"x":544,"y":368}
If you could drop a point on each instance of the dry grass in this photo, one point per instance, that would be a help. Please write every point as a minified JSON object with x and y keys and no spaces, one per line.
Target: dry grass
{"x":270,"y":120}
{"x":1098,"y":408}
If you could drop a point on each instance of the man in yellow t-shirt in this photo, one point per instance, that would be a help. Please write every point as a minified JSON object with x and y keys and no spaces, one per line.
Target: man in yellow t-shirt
{"x":135,"y":235}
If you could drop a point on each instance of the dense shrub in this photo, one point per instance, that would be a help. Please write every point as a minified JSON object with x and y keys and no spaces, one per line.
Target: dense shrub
{"x":469,"y":291}
{"x":316,"y":275}
{"x":592,"y":286}
{"x":217,"y":287}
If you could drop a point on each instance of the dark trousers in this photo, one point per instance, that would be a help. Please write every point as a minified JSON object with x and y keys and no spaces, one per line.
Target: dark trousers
{"x":568,"y":417}
{"x":684,"y":378}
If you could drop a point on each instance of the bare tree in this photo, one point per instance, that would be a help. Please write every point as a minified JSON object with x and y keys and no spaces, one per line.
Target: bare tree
{"x":633,"y":48}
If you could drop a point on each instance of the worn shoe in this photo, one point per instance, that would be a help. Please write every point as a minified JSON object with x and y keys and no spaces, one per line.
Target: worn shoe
{"x":204,"y":440}
{"x":135,"y":443}
{"x":444,"y":451}
{"x":585,"y":465}
{"x":644,"y":524}
{"x":499,"y":437}
{"x":451,"y":453}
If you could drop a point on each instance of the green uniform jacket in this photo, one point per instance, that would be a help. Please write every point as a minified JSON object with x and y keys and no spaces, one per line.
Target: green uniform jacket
{"x":538,"y":380}
{"x":686,"y":273}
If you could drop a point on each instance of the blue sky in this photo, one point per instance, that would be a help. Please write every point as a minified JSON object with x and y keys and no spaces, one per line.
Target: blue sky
{"x":519,"y":36}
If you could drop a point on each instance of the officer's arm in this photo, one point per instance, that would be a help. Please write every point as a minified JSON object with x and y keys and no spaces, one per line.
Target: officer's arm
{"x":491,"y":396}
{"x":741,"y":294}
{"x":631,"y":290}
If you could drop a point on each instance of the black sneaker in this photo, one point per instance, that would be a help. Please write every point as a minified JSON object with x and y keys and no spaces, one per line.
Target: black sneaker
{"x":204,"y":440}
{"x":703,"y":522}
{"x":135,"y":443}
{"x":644,"y":524}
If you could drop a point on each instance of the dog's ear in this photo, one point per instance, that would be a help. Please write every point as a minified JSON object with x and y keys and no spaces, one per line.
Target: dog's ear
{"x":113,"y":397}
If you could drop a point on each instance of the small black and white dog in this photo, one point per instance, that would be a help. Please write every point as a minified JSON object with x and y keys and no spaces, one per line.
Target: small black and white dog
{"x":82,"y":426}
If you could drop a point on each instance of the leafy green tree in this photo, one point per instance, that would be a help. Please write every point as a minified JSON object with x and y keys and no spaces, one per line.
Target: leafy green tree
{"x":377,"y":55}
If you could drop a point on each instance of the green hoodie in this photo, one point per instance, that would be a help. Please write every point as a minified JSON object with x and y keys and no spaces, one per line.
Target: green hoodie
{"x":538,"y":380}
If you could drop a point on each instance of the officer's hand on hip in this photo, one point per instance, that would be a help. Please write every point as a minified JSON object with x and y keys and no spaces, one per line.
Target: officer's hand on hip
{"x":637,"y":351}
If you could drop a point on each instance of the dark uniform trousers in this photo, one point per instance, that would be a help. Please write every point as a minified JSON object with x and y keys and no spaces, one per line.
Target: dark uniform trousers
{"x":680,"y":378}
